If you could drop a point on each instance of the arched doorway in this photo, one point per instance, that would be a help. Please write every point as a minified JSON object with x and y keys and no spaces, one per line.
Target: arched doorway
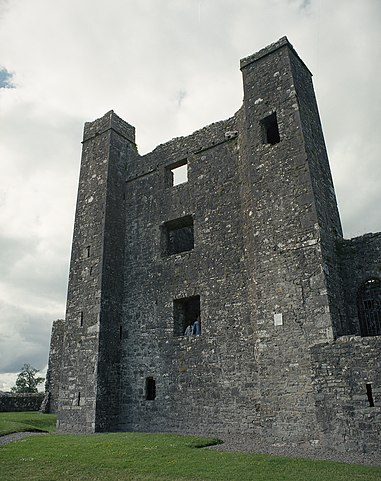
{"x":369,"y":307}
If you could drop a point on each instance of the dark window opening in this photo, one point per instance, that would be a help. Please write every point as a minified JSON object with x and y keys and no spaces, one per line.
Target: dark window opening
{"x":270,"y":130}
{"x":370,"y":395}
{"x":81,"y":319}
{"x":150,"y":389}
{"x":186,"y":316}
{"x":120,"y":332}
{"x":176,"y":173}
{"x":178,"y":235}
{"x":369,"y":307}
{"x":88,"y":251}
{"x":79,"y":398}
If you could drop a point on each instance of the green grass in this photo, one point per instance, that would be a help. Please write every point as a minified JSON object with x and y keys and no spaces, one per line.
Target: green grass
{"x":157,"y":457}
{"x":26,"y":421}
{"x":148,"y":457}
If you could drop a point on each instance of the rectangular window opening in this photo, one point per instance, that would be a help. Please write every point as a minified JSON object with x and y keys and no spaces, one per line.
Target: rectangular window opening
{"x":81,"y":319}
{"x":88,"y":251}
{"x":150,"y":389}
{"x":120,"y":332}
{"x":79,"y":398}
{"x":370,"y":395}
{"x":178,"y":235}
{"x":186,"y":316}
{"x":176,"y":173}
{"x":270,"y":130}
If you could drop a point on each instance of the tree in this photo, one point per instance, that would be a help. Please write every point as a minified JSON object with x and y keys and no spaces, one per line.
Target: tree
{"x":26,"y":380}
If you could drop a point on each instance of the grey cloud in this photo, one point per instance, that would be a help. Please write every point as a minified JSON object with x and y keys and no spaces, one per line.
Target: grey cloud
{"x":23,"y":338}
{"x":180,"y":96}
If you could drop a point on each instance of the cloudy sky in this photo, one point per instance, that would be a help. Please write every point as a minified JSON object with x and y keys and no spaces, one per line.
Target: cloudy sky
{"x":168,"y":67}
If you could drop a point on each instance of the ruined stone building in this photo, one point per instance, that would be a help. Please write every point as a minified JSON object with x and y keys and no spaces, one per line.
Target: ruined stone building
{"x":248,"y":241}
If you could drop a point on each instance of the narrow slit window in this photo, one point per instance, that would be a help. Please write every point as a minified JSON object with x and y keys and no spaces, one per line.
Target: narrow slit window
{"x":81,"y":319}
{"x":178,"y":235}
{"x":177,"y":173}
{"x":88,"y":251}
{"x":186,"y":316}
{"x":79,"y":398}
{"x":120,"y":332}
{"x":270,"y":130}
{"x":370,"y":395}
{"x":150,"y":389}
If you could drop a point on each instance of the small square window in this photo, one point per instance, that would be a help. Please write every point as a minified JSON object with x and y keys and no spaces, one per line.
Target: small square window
{"x":177,"y":173}
{"x":270,"y":130}
{"x":186,"y":316}
{"x":178,"y":235}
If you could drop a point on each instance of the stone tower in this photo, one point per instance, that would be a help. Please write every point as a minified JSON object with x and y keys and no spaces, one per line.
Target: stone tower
{"x":236,"y":227}
{"x":88,"y":399}
{"x":291,"y":233}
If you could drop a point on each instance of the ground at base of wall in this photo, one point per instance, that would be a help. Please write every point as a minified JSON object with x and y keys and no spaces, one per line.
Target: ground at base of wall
{"x":240,"y":442}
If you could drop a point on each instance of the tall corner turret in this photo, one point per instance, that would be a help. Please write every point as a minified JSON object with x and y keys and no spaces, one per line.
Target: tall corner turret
{"x":88,"y":398}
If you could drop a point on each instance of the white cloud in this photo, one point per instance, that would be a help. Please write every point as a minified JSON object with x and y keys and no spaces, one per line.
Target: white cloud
{"x":168,"y":68}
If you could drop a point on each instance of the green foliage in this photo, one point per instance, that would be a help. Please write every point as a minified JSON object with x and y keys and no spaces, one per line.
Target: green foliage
{"x":26,"y":421}
{"x":26,"y":380}
{"x":158,"y":457}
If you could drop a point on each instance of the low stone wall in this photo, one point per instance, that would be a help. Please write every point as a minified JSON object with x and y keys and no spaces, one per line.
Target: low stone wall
{"x":21,"y":402}
{"x":347,"y":384}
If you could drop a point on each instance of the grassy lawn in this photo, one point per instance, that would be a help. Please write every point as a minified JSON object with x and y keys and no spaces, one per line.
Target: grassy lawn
{"x":157,"y":457}
{"x":26,"y":421}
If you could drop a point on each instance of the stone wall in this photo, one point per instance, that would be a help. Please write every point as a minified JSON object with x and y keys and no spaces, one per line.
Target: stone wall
{"x":360,"y":261}
{"x":342,"y":370}
{"x":53,"y":375}
{"x":12,"y":402}
{"x":202,"y":382}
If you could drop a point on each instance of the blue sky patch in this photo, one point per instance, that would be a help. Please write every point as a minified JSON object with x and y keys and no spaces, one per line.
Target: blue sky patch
{"x":5,"y":79}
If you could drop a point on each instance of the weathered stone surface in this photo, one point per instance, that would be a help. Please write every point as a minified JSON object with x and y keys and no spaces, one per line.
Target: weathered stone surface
{"x":17,"y":402}
{"x":53,"y":375}
{"x":341,"y":371}
{"x":266,"y":261}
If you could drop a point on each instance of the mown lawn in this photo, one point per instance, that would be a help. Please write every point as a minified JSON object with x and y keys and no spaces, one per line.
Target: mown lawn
{"x":26,"y":421}
{"x":157,"y":457}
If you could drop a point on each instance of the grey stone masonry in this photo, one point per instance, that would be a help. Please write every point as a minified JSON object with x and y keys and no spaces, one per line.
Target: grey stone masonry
{"x":210,"y":284}
{"x":17,"y":402}
{"x":90,"y":370}
{"x":346,"y":379}
{"x":360,"y":261}
{"x":53,"y":375}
